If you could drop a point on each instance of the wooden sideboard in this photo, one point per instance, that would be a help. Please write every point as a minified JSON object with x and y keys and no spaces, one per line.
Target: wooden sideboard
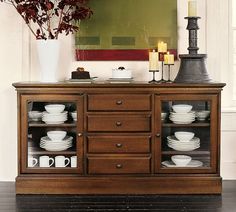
{"x":119,"y":138}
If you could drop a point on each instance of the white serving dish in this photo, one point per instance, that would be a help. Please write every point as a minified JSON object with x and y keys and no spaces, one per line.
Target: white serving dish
{"x":54,"y":108}
{"x":182,"y":108}
{"x":121,"y":74}
{"x":56,"y":135}
{"x":163,"y":116}
{"x":181,"y":160}
{"x":184,"y":136}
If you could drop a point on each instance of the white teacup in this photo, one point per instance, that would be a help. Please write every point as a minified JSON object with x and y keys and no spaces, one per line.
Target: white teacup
{"x":73,"y":161}
{"x":45,"y":161}
{"x":61,"y":161}
{"x":32,"y":162}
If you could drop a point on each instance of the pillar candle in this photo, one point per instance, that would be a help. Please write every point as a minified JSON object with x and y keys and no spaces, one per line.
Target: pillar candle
{"x":162,"y":47}
{"x":153,"y":61}
{"x":169,"y":59}
{"x":192,"y":8}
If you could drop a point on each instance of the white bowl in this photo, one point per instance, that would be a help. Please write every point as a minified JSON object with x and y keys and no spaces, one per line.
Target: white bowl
{"x":56,"y":135}
{"x":181,"y":160}
{"x":203,"y":114}
{"x":184,"y":136}
{"x":55,"y":108}
{"x":35,"y":115}
{"x":182,"y":108}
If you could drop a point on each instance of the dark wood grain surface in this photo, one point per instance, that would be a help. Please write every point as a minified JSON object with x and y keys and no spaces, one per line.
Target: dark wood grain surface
{"x":10,"y":202}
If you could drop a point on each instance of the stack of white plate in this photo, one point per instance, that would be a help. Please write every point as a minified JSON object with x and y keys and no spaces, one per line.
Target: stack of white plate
{"x":178,"y":145}
{"x":55,"y":114}
{"x":182,"y":114}
{"x":56,"y":145}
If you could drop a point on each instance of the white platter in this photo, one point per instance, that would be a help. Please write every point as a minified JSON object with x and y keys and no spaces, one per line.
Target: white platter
{"x":192,"y":164}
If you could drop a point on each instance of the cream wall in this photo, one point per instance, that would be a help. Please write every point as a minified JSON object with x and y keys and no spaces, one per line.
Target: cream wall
{"x":18,"y":61}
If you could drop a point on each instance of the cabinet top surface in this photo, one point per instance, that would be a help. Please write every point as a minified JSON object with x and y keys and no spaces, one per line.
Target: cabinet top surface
{"x":105,"y":84}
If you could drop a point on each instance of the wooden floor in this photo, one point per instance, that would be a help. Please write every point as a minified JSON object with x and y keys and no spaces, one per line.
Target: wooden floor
{"x":10,"y":202}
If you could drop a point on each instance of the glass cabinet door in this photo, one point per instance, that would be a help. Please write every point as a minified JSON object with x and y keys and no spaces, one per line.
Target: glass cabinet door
{"x":53,"y":126}
{"x":186,"y":136}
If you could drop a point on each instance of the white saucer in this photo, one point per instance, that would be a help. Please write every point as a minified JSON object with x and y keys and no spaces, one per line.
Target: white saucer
{"x":192,"y":164}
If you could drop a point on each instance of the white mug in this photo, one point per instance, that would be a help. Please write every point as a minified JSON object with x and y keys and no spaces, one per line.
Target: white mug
{"x":73,"y":161}
{"x":44,"y":161}
{"x":32,"y":162}
{"x":61,"y":161}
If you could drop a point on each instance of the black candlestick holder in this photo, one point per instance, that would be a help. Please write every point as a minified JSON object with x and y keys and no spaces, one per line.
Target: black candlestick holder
{"x":169,"y":69}
{"x":192,"y":68}
{"x":161,"y":58}
{"x":154,"y":76}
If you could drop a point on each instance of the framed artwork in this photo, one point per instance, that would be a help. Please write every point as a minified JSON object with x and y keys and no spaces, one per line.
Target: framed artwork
{"x":126,"y":29}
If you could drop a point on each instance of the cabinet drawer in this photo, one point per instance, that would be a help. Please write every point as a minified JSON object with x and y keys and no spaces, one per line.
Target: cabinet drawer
{"x":119,"y":144}
{"x":116,"y":165}
{"x":115,"y":123}
{"x":119,"y":102}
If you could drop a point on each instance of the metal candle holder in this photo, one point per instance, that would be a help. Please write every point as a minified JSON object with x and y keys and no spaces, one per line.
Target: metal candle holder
{"x":192,"y":68}
{"x":169,"y":66}
{"x":161,"y":58}
{"x":154,"y":77}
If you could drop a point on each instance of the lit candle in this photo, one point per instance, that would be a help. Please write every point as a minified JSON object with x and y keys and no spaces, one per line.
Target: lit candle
{"x":169,"y":59}
{"x":153,"y":61}
{"x":162,"y":47}
{"x":192,"y":8}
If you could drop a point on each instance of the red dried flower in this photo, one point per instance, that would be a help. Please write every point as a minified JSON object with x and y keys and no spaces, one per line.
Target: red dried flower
{"x":44,"y":13}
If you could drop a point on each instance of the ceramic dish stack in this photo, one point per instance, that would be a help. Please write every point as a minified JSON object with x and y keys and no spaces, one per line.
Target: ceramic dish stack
{"x":182,"y":114}
{"x":74,"y":115}
{"x":55,"y":114}
{"x":56,"y":145}
{"x":183,"y":145}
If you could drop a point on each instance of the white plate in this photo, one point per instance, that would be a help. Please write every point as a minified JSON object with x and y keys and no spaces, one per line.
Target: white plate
{"x":185,"y":149}
{"x":183,"y":122}
{"x":56,"y":149}
{"x":192,"y":164}
{"x":173,"y":138}
{"x":46,"y":138}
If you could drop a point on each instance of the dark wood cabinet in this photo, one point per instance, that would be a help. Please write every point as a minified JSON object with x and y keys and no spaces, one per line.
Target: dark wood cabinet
{"x":120,"y":139}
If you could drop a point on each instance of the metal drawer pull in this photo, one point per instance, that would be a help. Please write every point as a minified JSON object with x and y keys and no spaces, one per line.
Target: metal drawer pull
{"x":119,"y":166}
{"x":119,"y":102}
{"x":80,"y":134}
{"x":118,"y":123}
{"x":158,"y":135}
{"x":119,"y":145}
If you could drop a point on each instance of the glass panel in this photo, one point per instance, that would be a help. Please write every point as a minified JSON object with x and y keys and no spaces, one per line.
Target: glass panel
{"x":52,"y":134}
{"x":185,"y":133}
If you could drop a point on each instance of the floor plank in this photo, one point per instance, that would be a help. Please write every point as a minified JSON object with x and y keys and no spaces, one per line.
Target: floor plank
{"x":9,"y":202}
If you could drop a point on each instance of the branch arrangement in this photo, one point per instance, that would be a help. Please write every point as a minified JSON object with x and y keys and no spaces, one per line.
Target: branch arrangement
{"x":47,"y":19}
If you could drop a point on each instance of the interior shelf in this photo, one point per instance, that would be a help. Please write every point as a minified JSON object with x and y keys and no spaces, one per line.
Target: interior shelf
{"x":195,"y":124}
{"x":196,"y":152}
{"x":42,"y":124}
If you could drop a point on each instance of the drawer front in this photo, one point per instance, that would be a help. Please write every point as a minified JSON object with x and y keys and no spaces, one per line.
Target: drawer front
{"x":119,"y":144}
{"x":118,"y":123}
{"x":115,"y":165}
{"x":119,"y":102}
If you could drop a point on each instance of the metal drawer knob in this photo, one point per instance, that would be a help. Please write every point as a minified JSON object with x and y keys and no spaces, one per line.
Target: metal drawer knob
{"x":118,"y":123}
{"x":118,"y":145}
{"x":119,"y":102}
{"x":80,"y":134}
{"x":158,"y":135}
{"x":119,"y":166}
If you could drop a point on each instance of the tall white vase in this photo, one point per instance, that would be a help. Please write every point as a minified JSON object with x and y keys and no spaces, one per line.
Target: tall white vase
{"x":48,"y":55}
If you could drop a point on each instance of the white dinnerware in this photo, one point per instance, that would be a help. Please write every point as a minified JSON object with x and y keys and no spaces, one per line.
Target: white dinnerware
{"x":56,"y":135}
{"x":57,"y":118}
{"x":74,"y":115}
{"x":182,"y":108}
{"x":202,"y":115}
{"x":191,"y":164}
{"x":163,"y":116}
{"x":184,"y":136}
{"x":181,"y":160}
{"x":45,"y":161}
{"x":54,"y":108}
{"x":61,"y":161}
{"x":182,"y":118}
{"x":73,"y":161}
{"x":32,"y":162}
{"x":56,"y":145}
{"x":35,"y":115}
